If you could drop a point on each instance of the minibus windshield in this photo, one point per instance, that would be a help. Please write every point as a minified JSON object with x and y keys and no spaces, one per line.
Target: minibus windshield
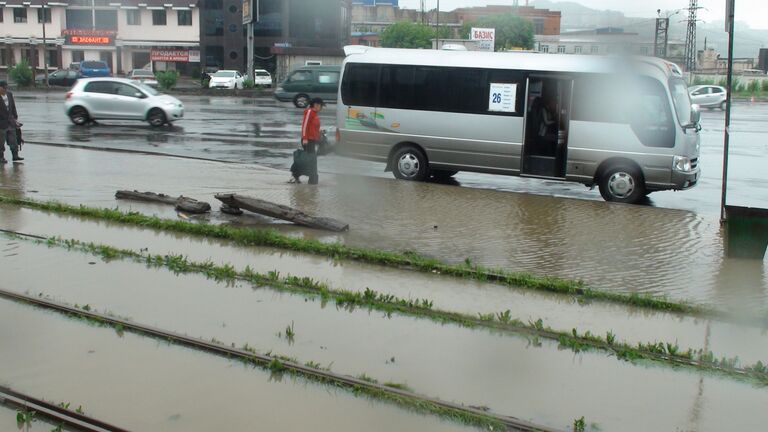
{"x":682,"y":100}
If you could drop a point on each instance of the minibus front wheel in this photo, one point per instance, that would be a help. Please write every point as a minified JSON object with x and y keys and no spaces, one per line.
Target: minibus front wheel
{"x":622,"y":182}
{"x":409,"y":163}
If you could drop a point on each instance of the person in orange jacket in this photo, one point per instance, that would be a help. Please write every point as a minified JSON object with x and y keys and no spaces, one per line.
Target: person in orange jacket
{"x":310,"y":138}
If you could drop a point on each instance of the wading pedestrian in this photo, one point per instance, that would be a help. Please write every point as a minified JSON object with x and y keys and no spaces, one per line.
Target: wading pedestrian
{"x":305,"y":159}
{"x":9,"y":124}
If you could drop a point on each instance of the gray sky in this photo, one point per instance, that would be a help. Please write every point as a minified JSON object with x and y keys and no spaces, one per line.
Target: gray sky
{"x":753,"y":12}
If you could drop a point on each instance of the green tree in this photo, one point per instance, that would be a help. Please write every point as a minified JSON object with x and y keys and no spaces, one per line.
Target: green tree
{"x":411,"y":35}
{"x":21,"y":74}
{"x":511,"y":31}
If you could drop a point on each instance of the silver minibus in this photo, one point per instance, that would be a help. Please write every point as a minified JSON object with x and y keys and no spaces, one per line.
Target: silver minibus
{"x":624,"y":124}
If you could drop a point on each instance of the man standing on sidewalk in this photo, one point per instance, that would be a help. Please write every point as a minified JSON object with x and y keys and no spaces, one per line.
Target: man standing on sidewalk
{"x":310,"y":139}
{"x":8,"y":124}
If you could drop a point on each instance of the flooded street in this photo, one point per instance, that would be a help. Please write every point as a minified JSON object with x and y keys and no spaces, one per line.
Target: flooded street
{"x":671,"y":247}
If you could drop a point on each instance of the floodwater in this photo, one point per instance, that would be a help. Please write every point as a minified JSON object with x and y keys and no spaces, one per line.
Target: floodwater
{"x":511,"y":375}
{"x":629,"y":324}
{"x":8,"y":422}
{"x":612,"y":247}
{"x":147,"y":385}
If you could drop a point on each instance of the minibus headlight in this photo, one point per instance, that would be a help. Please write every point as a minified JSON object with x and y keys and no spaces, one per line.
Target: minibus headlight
{"x":682,"y":164}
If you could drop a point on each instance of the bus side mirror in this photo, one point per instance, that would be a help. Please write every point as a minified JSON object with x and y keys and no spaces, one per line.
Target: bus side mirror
{"x":695,"y":114}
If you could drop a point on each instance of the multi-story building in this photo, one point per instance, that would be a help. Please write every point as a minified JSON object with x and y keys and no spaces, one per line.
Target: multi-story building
{"x":545,"y":21}
{"x":126,"y":34}
{"x":288,"y":33}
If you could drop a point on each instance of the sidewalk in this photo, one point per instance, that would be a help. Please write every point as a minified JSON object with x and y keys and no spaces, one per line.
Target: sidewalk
{"x":609,"y":246}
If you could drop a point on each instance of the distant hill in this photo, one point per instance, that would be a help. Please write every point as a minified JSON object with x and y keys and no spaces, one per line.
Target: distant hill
{"x":576,"y":16}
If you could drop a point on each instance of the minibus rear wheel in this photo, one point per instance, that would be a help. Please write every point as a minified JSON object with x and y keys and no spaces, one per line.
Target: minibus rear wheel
{"x":622,"y":183}
{"x":409,"y":163}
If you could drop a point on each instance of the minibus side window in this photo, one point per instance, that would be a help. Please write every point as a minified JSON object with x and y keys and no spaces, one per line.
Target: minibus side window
{"x":650,"y":114}
{"x":598,"y":98}
{"x":397,"y":87}
{"x":360,"y":85}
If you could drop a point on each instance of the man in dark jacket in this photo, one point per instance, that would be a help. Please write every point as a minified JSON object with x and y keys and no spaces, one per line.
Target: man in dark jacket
{"x":9,"y":122}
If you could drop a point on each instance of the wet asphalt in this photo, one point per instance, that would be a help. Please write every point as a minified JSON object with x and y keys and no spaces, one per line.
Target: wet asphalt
{"x":263,"y":131}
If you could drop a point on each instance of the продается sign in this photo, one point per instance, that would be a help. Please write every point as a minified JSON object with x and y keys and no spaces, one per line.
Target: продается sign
{"x":169,"y":55}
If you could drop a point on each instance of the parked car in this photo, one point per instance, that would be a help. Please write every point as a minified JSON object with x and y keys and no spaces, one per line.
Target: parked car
{"x":309,"y":82}
{"x":708,"y":96}
{"x":262,"y":78}
{"x":61,"y":77}
{"x":226,"y":79}
{"x":143,"y":76}
{"x":120,"y":99}
{"x":74,"y":66}
{"x":94,"y":68}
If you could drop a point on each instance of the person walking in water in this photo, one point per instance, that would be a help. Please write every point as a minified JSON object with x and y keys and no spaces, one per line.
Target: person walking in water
{"x":305,"y":159}
{"x":9,"y":123}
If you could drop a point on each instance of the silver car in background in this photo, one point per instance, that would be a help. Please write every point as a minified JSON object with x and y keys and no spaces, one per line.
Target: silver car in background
{"x":708,"y":96}
{"x":143,"y":76}
{"x":120,"y":99}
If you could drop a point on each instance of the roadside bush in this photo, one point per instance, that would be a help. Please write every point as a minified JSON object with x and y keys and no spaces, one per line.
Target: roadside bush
{"x":248,"y":83}
{"x":21,"y":74}
{"x":765,"y":85}
{"x":722,"y":82}
{"x":167,"y":79}
{"x":754,"y":86}
{"x":195,"y":73}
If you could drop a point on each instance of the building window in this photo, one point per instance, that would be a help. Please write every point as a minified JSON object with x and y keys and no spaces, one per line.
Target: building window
{"x":184,"y":17}
{"x":53,"y":58}
{"x":561,"y":49}
{"x":158,"y":17}
{"x":3,"y":55}
{"x":538,"y":25}
{"x":233,"y":9}
{"x":544,"y":48}
{"x":595,"y":49}
{"x":43,"y":13}
{"x":19,"y":15}
{"x":133,"y":16}
{"x":78,"y":56}
{"x":26,"y":55}
{"x":577,"y":49}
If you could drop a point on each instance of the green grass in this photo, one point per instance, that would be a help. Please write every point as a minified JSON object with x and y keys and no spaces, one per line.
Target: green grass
{"x":337,"y":251}
{"x":666,"y":353}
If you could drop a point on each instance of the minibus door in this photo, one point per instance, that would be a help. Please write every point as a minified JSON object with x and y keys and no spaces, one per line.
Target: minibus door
{"x":547,"y":117}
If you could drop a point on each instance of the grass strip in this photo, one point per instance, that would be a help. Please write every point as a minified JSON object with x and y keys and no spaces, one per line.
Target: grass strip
{"x":666,"y":353}
{"x":404,"y":260}
{"x":278,"y":366}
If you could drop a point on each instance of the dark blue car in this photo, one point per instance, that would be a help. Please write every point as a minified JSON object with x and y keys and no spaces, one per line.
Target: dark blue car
{"x":94,"y":68}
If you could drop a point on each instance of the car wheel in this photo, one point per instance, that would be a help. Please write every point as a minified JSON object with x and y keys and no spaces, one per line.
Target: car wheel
{"x":409,"y":163}
{"x":156,"y":118}
{"x":722,"y":106}
{"x":79,"y":116}
{"x":301,"y":101}
{"x":443,"y":174}
{"x":622,"y":183}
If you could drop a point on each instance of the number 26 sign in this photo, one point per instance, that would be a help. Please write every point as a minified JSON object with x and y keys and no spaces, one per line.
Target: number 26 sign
{"x":502,"y":97}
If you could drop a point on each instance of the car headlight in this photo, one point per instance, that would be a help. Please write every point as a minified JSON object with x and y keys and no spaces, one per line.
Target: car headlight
{"x":681,"y":163}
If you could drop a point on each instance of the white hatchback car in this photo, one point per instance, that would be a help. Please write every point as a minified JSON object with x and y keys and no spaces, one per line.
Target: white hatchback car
{"x":120,"y":99}
{"x":262,"y":78}
{"x":708,"y":96}
{"x":226,"y":79}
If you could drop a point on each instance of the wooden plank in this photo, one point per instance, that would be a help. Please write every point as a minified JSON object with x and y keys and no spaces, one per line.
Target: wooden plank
{"x":280,"y":211}
{"x":181,"y":203}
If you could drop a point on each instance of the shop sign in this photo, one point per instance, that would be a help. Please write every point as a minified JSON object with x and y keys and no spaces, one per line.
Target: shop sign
{"x":171,"y":55}
{"x":89,"y":40}
{"x":194,"y":56}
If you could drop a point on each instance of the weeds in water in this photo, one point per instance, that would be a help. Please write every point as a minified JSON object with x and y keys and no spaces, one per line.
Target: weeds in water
{"x":406,"y":259}
{"x":610,"y":338}
{"x":24,"y":418}
{"x":579,"y":425}
{"x":276,"y":366}
{"x":290,"y":333}
{"x":504,"y":317}
{"x":399,"y":386}
{"x":366,"y":378}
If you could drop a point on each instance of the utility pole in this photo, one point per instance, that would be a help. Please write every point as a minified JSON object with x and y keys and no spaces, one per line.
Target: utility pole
{"x":437,"y":30}
{"x":690,"y":37}
{"x":45,"y":44}
{"x":729,"y":15}
{"x":662,"y":38}
{"x":424,"y":12}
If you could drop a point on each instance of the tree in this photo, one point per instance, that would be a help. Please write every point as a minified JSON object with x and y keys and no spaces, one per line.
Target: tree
{"x":21,"y":74}
{"x":411,"y":35}
{"x":511,"y":31}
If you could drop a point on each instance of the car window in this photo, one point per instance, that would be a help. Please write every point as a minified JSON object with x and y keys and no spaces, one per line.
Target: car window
{"x":301,"y":76}
{"x":262,"y":74}
{"x":125,"y":90}
{"x":71,"y":74}
{"x":716,"y":90}
{"x":100,"y":87}
{"x":56,"y":74}
{"x":328,"y":77}
{"x":700,"y":91}
{"x":224,"y":74}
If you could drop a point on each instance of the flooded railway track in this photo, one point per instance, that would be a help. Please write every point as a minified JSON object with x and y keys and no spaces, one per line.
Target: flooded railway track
{"x":464,"y":414}
{"x":54,"y":413}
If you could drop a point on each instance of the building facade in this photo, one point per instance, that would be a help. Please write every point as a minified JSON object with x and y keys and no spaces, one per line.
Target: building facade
{"x":126,"y":34}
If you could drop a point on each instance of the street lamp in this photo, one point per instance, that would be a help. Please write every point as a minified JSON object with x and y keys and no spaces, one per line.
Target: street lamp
{"x":45,"y":46}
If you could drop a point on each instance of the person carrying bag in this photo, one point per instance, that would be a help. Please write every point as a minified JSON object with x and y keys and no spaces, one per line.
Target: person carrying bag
{"x":305,"y":158}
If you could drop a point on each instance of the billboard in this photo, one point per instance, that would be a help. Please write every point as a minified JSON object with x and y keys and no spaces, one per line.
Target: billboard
{"x":485,"y":37}
{"x":250,"y":11}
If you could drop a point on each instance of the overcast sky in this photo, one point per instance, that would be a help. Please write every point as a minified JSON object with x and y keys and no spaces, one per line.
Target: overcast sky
{"x":754,"y":12}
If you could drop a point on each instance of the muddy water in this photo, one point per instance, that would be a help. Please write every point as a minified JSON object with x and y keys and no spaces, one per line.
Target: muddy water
{"x":614,"y":247}
{"x":509,"y":374}
{"x":143,"y":384}
{"x":629,"y":324}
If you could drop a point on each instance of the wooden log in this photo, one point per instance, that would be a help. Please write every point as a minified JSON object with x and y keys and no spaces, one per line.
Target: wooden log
{"x":182,"y":203}
{"x":281,"y":212}
{"x":231,"y":210}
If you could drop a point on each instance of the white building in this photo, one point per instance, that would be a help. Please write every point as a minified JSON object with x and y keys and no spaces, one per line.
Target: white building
{"x":126,"y":34}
